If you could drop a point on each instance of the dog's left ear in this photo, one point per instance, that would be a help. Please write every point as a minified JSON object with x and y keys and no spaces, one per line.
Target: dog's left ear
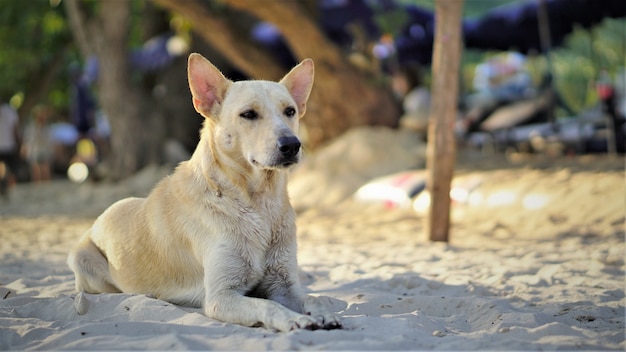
{"x":299,"y":82}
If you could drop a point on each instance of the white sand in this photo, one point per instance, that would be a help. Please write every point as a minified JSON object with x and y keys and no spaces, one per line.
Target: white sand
{"x":511,"y":278}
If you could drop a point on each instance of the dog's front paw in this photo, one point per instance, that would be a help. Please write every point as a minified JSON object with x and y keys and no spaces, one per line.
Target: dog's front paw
{"x":328,"y":322}
{"x":304,"y":322}
{"x":333,"y":323}
{"x":314,"y":307}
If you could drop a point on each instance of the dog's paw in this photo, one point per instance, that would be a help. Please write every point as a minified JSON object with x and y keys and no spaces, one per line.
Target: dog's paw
{"x":304,"y":322}
{"x":314,"y":307}
{"x":333,"y":323}
{"x":328,"y":322}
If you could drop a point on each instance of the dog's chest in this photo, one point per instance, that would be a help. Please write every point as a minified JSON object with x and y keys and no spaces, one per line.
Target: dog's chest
{"x":256,"y":238}
{"x":270,"y":218}
{"x":256,"y":222}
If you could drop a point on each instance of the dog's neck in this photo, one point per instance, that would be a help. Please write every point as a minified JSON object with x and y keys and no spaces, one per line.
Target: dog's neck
{"x":226,"y":176}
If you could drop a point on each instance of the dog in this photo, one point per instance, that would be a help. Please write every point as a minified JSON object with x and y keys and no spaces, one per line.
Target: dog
{"x":219,"y":232}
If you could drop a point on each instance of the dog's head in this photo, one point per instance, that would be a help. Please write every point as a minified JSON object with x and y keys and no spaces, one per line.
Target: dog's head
{"x":252,"y":120}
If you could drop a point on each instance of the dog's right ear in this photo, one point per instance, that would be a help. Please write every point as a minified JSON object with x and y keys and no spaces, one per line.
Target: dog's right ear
{"x":208,"y":85}
{"x":299,"y":82}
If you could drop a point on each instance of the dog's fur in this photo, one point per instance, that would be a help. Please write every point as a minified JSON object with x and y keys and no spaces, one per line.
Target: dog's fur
{"x":219,"y":232}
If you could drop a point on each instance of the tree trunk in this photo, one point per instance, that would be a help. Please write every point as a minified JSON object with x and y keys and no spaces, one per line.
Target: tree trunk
{"x":82,"y":30}
{"x":233,"y":44}
{"x":342,"y":96}
{"x":441,"y":142}
{"x":106,"y":36}
{"x":117,"y":95}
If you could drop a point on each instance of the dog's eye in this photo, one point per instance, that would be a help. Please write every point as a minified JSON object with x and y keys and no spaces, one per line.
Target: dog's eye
{"x":249,"y":115}
{"x":289,"y":111}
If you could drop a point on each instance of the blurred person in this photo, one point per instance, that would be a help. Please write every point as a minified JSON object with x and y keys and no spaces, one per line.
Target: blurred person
{"x":502,"y":79}
{"x":407,"y":85}
{"x":620,"y":92}
{"x":101,"y":134}
{"x":609,"y":95}
{"x":10,"y":142}
{"x":81,"y":103}
{"x":38,"y":145}
{"x":63,"y":137}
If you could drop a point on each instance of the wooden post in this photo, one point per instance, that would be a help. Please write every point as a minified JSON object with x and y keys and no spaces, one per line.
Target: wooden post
{"x":441,"y":150}
{"x":545,"y":42}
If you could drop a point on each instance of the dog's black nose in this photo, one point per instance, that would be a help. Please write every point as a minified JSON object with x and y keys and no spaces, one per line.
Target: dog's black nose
{"x":289,"y":146}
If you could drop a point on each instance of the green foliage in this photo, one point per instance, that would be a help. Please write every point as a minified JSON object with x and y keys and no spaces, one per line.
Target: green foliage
{"x":575,"y":65}
{"x":30,"y":35}
{"x":391,"y":21}
{"x":32,"y":32}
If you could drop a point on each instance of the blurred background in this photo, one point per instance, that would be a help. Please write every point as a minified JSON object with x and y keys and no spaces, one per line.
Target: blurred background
{"x":101,"y":86}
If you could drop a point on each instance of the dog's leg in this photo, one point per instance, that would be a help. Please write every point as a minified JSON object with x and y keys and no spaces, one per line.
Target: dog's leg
{"x":90,"y":268}
{"x":228,"y":278}
{"x":232,"y":306}
{"x":282,"y":284}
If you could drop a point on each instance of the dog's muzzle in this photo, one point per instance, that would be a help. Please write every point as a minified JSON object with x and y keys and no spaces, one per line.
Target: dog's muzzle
{"x":289,"y":147}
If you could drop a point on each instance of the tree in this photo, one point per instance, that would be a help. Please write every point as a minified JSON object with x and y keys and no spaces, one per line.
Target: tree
{"x":342,"y":97}
{"x":34,"y":43}
{"x":105,"y":34}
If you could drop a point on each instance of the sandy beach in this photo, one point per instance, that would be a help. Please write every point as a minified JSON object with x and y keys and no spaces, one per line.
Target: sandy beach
{"x":535,"y":262}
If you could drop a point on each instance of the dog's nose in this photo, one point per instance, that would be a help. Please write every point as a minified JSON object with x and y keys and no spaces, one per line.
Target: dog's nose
{"x":289,"y":146}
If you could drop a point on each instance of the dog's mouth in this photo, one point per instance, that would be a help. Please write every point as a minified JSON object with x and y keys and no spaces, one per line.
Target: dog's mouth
{"x":278,"y":164}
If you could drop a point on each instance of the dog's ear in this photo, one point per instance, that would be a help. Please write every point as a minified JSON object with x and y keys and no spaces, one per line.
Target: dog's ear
{"x":299,"y":82}
{"x":208,"y":85}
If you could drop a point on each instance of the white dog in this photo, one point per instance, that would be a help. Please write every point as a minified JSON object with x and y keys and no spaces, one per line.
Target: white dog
{"x":219,"y":232}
